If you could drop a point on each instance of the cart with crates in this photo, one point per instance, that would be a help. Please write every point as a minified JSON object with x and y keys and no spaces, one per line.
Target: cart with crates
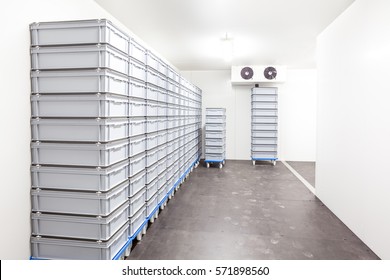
{"x":264,"y":126}
{"x":215,"y":137}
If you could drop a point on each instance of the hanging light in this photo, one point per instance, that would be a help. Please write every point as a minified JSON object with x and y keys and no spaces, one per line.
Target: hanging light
{"x":227,"y":48}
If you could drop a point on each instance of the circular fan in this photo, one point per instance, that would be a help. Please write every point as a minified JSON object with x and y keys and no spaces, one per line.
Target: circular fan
{"x":246,"y":73}
{"x":270,"y":73}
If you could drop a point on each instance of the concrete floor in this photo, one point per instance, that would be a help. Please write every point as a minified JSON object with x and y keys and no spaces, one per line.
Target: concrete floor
{"x":306,"y":169}
{"x":247,"y":212}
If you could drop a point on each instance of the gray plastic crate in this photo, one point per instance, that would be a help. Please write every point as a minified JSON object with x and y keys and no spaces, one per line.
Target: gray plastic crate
{"x":136,"y":221}
{"x":216,"y":119}
{"x":162,"y":165}
{"x":260,"y":155}
{"x":214,"y":150}
{"x":152,"y":92}
{"x":264,"y":141}
{"x":264,"y":126}
{"x":162,"y":97}
{"x":162,"y":193}
{"x":215,"y":134}
{"x":152,"y":124}
{"x":79,"y":178}
{"x":173,"y":87}
{"x":152,"y":60}
{"x":264,"y":119}
{"x":215,"y":127}
{"x":97,"y":31}
{"x":162,"y":152}
{"x":79,"y":154}
{"x":162,"y":110}
{"x":177,"y":175}
{"x":151,"y":204}
{"x":172,"y":98}
{"x":217,"y":157}
{"x":137,"y":164}
{"x":264,"y":148}
{"x":170,"y":168}
{"x":162,"y":137}
{"x":170,"y":183}
{"x":151,"y":157}
{"x":151,"y":189}
{"x":162,"y":124}
{"x":82,"y":130}
{"x":79,"y":203}
{"x":137,"y":51}
{"x":137,"y":182}
{"x":151,"y":140}
{"x":264,"y":97}
{"x":79,"y":81}
{"x":156,"y":78}
{"x":79,"y":57}
{"x":156,"y":63}
{"x":163,"y":68}
{"x":152,"y":109}
{"x":137,"y":126}
{"x":137,"y":145}
{"x":151,"y":173}
{"x":82,"y":227}
{"x":260,"y":112}
{"x":264,"y":90}
{"x":137,"y":108}
{"x":79,"y":106}
{"x":215,"y":111}
{"x":55,"y":248}
{"x":169,"y":158}
{"x":137,"y":70}
{"x":162,"y":180}
{"x":171,"y":134}
{"x":264,"y":105}
{"x":137,"y":88}
{"x":137,"y":201}
{"x":265,"y":134}
{"x":173,"y":75}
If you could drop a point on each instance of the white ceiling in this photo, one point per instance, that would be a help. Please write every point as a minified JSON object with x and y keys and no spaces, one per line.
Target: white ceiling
{"x":188,"y":32}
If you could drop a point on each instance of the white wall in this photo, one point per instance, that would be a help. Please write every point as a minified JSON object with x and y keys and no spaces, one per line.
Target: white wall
{"x":297,"y":112}
{"x":352,"y":176}
{"x":15,"y":110}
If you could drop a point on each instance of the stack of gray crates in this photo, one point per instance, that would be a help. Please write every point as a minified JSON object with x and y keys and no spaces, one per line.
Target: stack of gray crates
{"x":215,"y":140}
{"x":264,"y":124}
{"x":156,"y":132}
{"x":115,"y":130}
{"x":80,"y":147}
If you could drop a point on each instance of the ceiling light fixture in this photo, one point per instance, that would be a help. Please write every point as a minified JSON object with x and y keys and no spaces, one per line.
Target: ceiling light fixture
{"x":227,"y":48}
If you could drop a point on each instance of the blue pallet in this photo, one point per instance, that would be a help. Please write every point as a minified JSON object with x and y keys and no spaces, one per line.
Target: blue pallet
{"x":215,"y":161}
{"x":260,"y":159}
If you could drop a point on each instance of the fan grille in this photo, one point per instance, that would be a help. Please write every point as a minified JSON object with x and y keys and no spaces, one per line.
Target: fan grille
{"x":270,"y":73}
{"x":247,"y":73}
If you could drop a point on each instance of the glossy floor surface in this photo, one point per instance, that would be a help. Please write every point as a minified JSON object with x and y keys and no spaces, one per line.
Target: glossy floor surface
{"x":247,"y":212}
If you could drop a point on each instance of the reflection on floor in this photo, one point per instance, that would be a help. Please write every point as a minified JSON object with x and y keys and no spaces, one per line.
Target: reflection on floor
{"x":247,"y":212}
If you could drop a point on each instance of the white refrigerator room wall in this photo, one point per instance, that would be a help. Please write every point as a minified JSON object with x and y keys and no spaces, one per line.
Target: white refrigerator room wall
{"x":353,"y":121}
{"x":15,"y":110}
{"x":297,"y":112}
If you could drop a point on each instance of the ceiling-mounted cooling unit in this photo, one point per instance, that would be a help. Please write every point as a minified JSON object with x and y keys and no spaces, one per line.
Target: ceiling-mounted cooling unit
{"x":246,"y":75}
